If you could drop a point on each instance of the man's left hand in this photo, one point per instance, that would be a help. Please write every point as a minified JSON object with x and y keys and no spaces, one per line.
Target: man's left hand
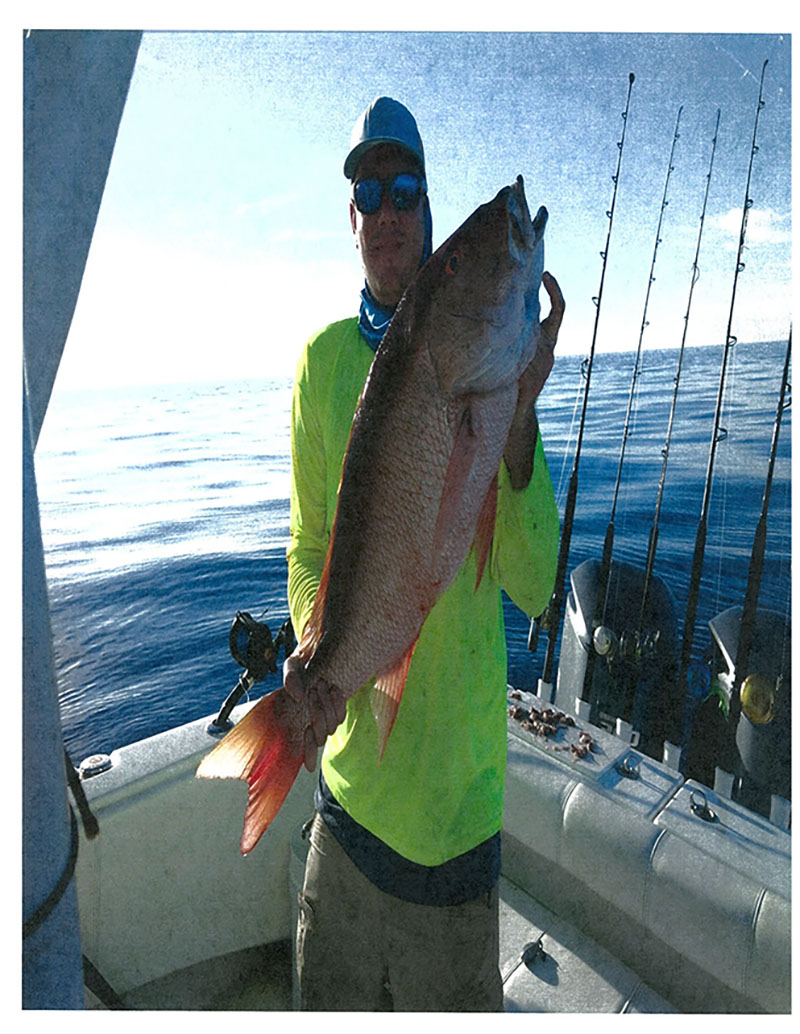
{"x":521,"y":441}
{"x":538,"y":369}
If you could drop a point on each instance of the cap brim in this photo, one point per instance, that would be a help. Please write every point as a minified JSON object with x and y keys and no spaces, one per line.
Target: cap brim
{"x":358,"y":152}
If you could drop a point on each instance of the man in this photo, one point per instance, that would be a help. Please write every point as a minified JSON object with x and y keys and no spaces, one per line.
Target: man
{"x":399,"y":906}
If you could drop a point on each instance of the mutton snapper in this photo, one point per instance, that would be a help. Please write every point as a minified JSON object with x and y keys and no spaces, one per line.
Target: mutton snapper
{"x":418,"y":487}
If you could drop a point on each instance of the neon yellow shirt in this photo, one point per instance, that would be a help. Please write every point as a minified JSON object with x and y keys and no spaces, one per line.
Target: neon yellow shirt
{"x":438,"y":791}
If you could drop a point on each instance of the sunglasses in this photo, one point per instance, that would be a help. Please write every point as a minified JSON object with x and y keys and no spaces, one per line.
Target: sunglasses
{"x":405,"y":191}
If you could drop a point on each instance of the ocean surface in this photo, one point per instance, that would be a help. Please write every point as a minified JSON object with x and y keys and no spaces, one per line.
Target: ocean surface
{"x":165,"y":510}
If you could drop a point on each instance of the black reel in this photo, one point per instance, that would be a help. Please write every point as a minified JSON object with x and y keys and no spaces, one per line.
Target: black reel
{"x":252,"y":646}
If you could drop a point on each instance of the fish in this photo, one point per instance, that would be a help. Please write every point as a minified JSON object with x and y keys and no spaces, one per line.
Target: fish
{"x":418,"y":488}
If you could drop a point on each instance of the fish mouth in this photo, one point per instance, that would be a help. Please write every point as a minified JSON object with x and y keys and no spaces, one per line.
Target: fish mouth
{"x":525,"y":243}
{"x":523,"y":233}
{"x":524,"y":251}
{"x":520,"y":228}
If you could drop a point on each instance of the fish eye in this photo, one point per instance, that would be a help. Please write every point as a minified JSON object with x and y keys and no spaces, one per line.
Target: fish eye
{"x":452,"y":263}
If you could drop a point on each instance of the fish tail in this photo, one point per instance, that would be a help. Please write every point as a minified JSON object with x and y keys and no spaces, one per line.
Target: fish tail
{"x":266,"y":750}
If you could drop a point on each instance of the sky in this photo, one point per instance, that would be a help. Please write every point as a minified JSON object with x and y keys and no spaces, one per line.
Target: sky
{"x":223,"y":239}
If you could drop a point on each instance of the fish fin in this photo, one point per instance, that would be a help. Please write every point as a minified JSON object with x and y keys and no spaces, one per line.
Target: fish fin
{"x":462,"y":457}
{"x":266,"y":750}
{"x":386,"y":695}
{"x":485,"y":530}
{"x":312,"y":633}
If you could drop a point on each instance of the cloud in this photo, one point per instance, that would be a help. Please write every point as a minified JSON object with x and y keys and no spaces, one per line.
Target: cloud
{"x":152,"y":312}
{"x":267,"y":205}
{"x":764,"y":225}
{"x":308,"y":236}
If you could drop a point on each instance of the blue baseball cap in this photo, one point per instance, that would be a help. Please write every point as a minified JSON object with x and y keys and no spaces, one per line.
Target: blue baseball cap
{"x":385,"y":121}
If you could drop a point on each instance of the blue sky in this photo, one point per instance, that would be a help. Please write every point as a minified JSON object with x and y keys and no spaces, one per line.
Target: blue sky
{"x":223,"y":239}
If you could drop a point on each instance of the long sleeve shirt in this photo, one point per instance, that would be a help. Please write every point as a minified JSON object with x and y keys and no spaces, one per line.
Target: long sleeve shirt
{"x":438,"y":790}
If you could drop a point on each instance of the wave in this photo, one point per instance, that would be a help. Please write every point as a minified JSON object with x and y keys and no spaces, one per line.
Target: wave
{"x":154,"y":539}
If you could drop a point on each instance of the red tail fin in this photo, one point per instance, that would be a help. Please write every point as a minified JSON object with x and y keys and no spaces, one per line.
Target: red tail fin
{"x":266,"y":749}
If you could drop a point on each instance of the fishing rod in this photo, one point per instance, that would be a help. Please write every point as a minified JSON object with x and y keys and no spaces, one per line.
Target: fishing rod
{"x":716,"y":437}
{"x":601,"y":601}
{"x":551,"y":618}
{"x":750,"y":606}
{"x":695,"y":276}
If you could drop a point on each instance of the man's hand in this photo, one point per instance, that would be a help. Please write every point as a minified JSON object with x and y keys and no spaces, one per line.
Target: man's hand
{"x":326,"y":706}
{"x":538,"y":369}
{"x":521,"y":442}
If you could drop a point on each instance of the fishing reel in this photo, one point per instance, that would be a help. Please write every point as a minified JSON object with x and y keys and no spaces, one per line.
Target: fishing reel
{"x":252,"y":646}
{"x":630,"y":646}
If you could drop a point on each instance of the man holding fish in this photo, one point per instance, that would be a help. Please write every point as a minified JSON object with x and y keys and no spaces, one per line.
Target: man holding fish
{"x":401,"y":884}
{"x":406,"y":521}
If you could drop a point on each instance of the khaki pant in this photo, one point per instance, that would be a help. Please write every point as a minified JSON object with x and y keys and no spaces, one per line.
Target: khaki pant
{"x":361,"y":949}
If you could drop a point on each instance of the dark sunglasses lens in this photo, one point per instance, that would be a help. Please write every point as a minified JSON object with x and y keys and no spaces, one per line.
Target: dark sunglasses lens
{"x":367,"y":196}
{"x":405,"y":192}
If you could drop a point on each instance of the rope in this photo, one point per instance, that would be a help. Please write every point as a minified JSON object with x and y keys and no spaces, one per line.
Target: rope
{"x":32,"y":924}
{"x":90,"y":824}
{"x":92,"y":977}
{"x":100,"y":987}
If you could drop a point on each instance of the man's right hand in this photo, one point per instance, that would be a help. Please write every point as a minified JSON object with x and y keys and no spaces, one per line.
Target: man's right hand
{"x":326,"y":705}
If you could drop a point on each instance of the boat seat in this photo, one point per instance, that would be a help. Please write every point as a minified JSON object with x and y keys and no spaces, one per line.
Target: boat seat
{"x":699,"y":909}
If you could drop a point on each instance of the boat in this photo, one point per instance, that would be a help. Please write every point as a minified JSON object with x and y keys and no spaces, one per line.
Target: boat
{"x":626,"y":887}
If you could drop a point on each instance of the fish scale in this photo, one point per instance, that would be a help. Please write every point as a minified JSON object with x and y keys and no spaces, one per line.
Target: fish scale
{"x":418,"y":487}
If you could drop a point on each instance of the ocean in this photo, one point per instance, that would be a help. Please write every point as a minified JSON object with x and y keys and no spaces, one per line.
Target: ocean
{"x":165,"y":510}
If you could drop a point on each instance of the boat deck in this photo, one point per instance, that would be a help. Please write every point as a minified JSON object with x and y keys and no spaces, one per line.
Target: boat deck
{"x":568,"y":972}
{"x":251,"y":980}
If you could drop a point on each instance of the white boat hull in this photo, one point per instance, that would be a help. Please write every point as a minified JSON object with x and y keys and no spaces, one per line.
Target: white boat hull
{"x":639,"y":904}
